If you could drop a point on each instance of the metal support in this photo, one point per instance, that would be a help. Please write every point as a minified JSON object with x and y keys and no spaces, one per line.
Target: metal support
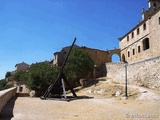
{"x":63,"y":86}
{"x":126,"y":92}
{"x":94,"y":74}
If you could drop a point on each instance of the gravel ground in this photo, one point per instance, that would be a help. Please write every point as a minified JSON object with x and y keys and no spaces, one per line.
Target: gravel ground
{"x":81,"y":109}
{"x":96,"y":107}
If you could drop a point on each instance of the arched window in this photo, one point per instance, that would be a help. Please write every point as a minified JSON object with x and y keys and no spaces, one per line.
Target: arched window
{"x":146,"y":44}
{"x":139,"y":49}
{"x":133,"y":52}
{"x":128,"y":54}
{"x":132,"y":34}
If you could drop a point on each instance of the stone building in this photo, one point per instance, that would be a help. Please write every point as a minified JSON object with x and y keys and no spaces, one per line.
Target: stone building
{"x":59,"y":57}
{"x":21,"y":88}
{"x":21,"y":67}
{"x":99,"y":57}
{"x":143,"y":41}
{"x":140,"y":47}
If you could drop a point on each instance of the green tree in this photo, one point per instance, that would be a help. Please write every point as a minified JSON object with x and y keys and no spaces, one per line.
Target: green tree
{"x":79,"y":65}
{"x":20,"y":76}
{"x":39,"y":77}
{"x":4,"y":85}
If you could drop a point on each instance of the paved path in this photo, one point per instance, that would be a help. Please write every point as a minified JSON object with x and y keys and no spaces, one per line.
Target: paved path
{"x":24,"y":108}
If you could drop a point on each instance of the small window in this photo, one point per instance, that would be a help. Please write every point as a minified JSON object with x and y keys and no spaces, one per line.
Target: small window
{"x":137,"y":31}
{"x":128,"y":54}
{"x":133,"y":52}
{"x":144,"y":26}
{"x":139,"y":49}
{"x":154,"y":5}
{"x":127,"y":38}
{"x":123,"y":58}
{"x":132,"y":34}
{"x":146,"y":44}
{"x":20,"y":89}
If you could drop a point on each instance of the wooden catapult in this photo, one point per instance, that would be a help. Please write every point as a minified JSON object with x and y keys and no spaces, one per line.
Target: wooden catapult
{"x":59,"y":84}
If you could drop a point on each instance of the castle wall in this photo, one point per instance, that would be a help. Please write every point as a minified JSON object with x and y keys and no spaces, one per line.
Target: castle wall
{"x":145,"y":73}
{"x":98,"y":56}
{"x":6,"y":95}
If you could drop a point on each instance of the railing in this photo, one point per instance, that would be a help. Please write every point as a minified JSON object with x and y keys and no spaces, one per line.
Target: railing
{"x":6,"y":95}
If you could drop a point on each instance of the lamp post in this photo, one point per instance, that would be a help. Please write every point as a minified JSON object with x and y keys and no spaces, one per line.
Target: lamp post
{"x":125,"y":65}
{"x":95,"y":74}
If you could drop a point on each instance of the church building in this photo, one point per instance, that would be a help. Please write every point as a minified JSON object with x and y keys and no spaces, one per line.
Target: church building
{"x":143,"y":41}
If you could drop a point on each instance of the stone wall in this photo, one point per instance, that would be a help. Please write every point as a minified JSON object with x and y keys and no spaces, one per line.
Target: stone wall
{"x":145,"y":73}
{"x":6,"y":95}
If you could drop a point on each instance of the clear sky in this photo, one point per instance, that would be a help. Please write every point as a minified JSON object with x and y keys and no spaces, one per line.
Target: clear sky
{"x":32,"y":30}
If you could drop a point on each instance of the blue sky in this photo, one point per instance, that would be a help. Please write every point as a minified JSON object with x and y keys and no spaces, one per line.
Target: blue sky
{"x":32,"y":30}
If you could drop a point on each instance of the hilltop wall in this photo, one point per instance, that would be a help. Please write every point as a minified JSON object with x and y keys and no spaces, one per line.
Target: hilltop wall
{"x":145,"y":73}
{"x":6,"y":95}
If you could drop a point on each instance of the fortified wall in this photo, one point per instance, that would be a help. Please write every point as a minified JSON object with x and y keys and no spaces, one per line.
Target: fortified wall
{"x":6,"y":95}
{"x":144,"y":73}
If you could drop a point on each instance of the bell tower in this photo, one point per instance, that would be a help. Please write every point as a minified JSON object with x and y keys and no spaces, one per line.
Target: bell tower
{"x":153,"y":5}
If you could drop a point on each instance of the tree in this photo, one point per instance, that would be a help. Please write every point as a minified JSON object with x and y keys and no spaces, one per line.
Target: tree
{"x":39,"y":77}
{"x":20,"y":76}
{"x":79,"y":65}
{"x":4,"y":85}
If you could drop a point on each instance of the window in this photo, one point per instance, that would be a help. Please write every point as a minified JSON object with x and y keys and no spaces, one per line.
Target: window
{"x":144,"y":26}
{"x":146,"y":44}
{"x":132,"y":34}
{"x":123,"y":58}
{"x":20,"y":89}
{"x":133,"y":52}
{"x":127,"y":38}
{"x":139,"y":49}
{"x":159,"y":20}
{"x":154,"y":5}
{"x":137,"y":31}
{"x":128,"y":54}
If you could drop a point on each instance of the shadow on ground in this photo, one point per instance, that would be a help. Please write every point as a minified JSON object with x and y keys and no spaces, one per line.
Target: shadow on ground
{"x":7,"y":112}
{"x":68,"y":98}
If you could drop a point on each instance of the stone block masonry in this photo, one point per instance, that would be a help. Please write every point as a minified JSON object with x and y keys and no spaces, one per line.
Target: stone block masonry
{"x":145,"y":73}
{"x":6,"y":95}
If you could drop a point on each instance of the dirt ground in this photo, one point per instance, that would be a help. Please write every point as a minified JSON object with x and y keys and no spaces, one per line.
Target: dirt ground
{"x":104,"y":101}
